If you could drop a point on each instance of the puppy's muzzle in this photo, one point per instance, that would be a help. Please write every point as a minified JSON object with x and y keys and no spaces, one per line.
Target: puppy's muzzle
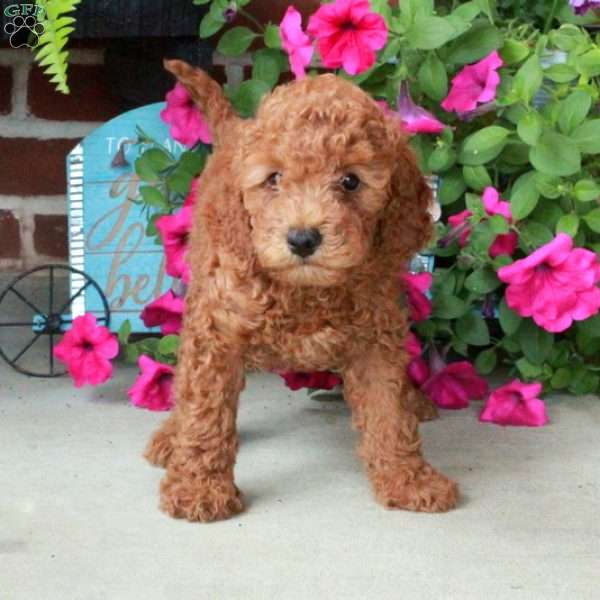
{"x":303,"y":242}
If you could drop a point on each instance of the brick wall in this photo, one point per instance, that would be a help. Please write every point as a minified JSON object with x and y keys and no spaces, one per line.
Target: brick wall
{"x":38,"y":128}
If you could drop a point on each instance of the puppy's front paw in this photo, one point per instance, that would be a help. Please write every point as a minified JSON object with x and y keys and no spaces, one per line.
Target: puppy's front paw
{"x":423,"y":490}
{"x":159,"y":448}
{"x":205,"y":500}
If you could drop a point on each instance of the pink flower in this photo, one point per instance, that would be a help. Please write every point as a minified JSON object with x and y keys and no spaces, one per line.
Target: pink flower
{"x":556,"y":285}
{"x":505,"y":243}
{"x":174,"y":231}
{"x":416,"y":286}
{"x":322,"y":380}
{"x":474,"y":84}
{"x":348,"y":34}
{"x":516,"y":403}
{"x":87,"y":349}
{"x":166,"y":311}
{"x":454,"y":385}
{"x":152,"y":388}
{"x":187,"y":123}
{"x":582,"y":6}
{"x":418,"y":371}
{"x":460,"y":226}
{"x":415,"y":119}
{"x":295,"y":42}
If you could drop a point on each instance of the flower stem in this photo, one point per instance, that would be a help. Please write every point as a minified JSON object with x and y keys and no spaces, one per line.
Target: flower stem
{"x":252,"y":19}
{"x":551,"y":16}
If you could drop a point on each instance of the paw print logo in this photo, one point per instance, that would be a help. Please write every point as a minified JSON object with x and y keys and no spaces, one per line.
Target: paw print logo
{"x":24,"y":31}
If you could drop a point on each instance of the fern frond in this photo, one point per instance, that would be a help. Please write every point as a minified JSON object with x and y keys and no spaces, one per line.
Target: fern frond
{"x":57,"y":28}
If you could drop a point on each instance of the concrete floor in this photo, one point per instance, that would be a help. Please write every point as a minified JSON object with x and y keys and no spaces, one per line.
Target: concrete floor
{"x":79,"y":517}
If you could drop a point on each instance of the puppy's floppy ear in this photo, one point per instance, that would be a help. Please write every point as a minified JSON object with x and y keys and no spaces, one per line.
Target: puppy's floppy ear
{"x":208,"y":95}
{"x":406,"y":226}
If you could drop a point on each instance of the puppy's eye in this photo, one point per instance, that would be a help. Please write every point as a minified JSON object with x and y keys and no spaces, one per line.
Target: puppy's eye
{"x":350,"y":182}
{"x":273,"y":180}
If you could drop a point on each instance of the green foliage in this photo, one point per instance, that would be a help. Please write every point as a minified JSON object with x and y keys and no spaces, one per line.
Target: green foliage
{"x":50,"y":51}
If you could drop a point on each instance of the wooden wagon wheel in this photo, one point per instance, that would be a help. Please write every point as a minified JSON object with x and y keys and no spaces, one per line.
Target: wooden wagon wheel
{"x":46,"y":316}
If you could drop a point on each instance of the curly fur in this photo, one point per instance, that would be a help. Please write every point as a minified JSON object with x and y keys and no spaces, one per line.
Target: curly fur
{"x":254,"y":304}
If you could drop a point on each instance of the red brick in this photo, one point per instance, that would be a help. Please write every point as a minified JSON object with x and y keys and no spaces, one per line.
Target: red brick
{"x":50,"y":235}
{"x":33,"y":167}
{"x":90,"y":99}
{"x":6,"y":82}
{"x":10,"y":235}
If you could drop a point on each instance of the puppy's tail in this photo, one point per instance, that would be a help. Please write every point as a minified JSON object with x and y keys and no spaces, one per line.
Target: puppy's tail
{"x":208,"y":95}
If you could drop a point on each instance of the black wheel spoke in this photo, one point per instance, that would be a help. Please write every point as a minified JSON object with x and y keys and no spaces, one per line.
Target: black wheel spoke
{"x":74,"y":296}
{"x":30,"y":304}
{"x":31,"y":343}
{"x":17,"y":324}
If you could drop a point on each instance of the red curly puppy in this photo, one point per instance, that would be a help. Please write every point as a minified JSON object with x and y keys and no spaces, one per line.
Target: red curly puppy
{"x":306,"y":217}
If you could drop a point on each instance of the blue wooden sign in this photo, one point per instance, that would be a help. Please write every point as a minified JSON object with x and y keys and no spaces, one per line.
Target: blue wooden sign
{"x":107,"y":237}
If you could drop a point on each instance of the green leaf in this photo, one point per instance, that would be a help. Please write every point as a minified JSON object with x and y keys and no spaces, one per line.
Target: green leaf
{"x":467,"y":11}
{"x":548,"y":186}
{"x":482,"y":281}
{"x":210,"y":24}
{"x":272,"y":37}
{"x":499,"y":224}
{"x":586,"y":190}
{"x":475,"y":44}
{"x":583,"y":382}
{"x":193,"y":162}
{"x":528,"y":79}
{"x":448,"y":307}
{"x":573,"y":110}
{"x":513,"y":52}
{"x":267,"y":66}
{"x":567,"y":37}
{"x":568,"y":224}
{"x":560,"y":73}
{"x":248,"y":96}
{"x":153,"y":197}
{"x":124,"y":332}
{"x":486,"y":361}
{"x":524,"y":196}
{"x":429,"y":32}
{"x":158,"y":159}
{"x":483,"y":145}
{"x":535,"y":342}
{"x":451,"y":188}
{"x":472,"y":329}
{"x":535,"y":235}
{"x":556,"y":154}
{"x":169,"y":344}
{"x":509,"y":320}
{"x":477,"y":178}
{"x":235,"y":41}
{"x":530,"y":128}
{"x":561,"y":379}
{"x":587,"y":137}
{"x":442,"y":159}
{"x":131,"y":354}
{"x":433,"y":78}
{"x":527,"y":369}
{"x":588,"y":64}
{"x":592,"y":220}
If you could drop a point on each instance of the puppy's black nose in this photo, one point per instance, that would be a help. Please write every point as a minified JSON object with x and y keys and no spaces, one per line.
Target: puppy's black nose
{"x":303,"y":242}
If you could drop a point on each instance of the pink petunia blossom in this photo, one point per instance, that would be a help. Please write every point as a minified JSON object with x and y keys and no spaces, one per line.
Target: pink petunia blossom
{"x":505,"y":243}
{"x":582,"y":6}
{"x":174,"y":231}
{"x":166,"y":311}
{"x":555,"y":285}
{"x":516,"y":403}
{"x":453,"y":386}
{"x":475,"y":84}
{"x":322,"y":380}
{"x":418,"y":370}
{"x":87,"y":349}
{"x":415,"y":119}
{"x":348,"y":34}
{"x":416,"y":285}
{"x":295,"y":42}
{"x":153,"y":387}
{"x":187,"y":123}
{"x":460,"y":226}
